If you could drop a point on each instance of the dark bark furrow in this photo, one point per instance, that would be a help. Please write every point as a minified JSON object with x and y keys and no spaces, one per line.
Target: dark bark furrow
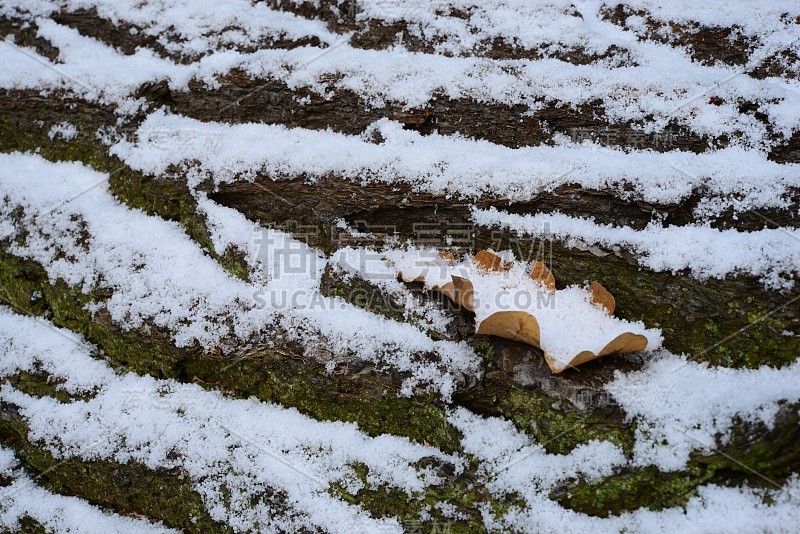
{"x":241,"y":98}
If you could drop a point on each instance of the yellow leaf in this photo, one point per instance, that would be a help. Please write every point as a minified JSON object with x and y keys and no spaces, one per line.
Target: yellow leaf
{"x":463,"y":292}
{"x":447,"y":256}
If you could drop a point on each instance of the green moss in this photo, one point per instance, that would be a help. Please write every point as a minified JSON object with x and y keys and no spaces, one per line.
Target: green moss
{"x":645,"y":488}
{"x":269,"y":376}
{"x":552,"y":422}
{"x":459,"y":492}
{"x":28,"y":525}
{"x":232,"y":260}
{"x":734,"y":323}
{"x":558,"y":427}
{"x":484,"y":346}
{"x":27,"y":129}
{"x":38,"y":385}
{"x":756,"y":456}
{"x":365,"y":396}
{"x":171,"y":199}
{"x":361,"y":293}
{"x":168,"y":199}
{"x":129,"y":488}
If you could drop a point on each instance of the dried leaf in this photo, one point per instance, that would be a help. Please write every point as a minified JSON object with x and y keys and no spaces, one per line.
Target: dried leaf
{"x":448,"y":290}
{"x":514,"y":325}
{"x":600,"y":295}
{"x":491,"y":262}
{"x":542,"y":274}
{"x":623,"y":343}
{"x":582,"y":357}
{"x":463,"y":292}
{"x":447,"y":256}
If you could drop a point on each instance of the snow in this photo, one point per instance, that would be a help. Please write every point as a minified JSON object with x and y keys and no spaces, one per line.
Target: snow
{"x":83,"y":67}
{"x":514,"y":466}
{"x":771,"y":254}
{"x":230,"y":449}
{"x":664,"y":86}
{"x":230,"y":228}
{"x":21,"y":498}
{"x":569,"y":322}
{"x":678,"y":411}
{"x":237,"y":452}
{"x":456,"y":166}
{"x":555,"y":25}
{"x":550,"y":26}
{"x":169,"y":282}
{"x":187,"y":27}
{"x":57,"y":513}
{"x":249,"y":446}
{"x":64,"y":130}
{"x":374,"y":267}
{"x":747,"y":17}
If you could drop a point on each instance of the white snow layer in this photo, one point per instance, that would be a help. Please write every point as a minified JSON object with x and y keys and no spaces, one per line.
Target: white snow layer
{"x":456,"y":166}
{"x":556,"y":25}
{"x":189,"y":27}
{"x":569,"y":323}
{"x":159,"y":275}
{"x":666,"y":88}
{"x":771,"y":254}
{"x":513,"y":465}
{"x":681,"y":405}
{"x":451,"y":26}
{"x":57,"y":513}
{"x":230,"y":449}
{"x":22,"y":499}
{"x":237,"y":449}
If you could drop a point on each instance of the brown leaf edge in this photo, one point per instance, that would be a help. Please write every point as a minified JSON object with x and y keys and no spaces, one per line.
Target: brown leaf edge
{"x":463,"y":292}
{"x":623,"y":343}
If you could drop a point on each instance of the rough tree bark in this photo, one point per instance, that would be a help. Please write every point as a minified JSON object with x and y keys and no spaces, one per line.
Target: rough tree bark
{"x":559,"y":411}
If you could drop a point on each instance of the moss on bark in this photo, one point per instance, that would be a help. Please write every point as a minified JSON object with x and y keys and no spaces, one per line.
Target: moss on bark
{"x":733,"y":322}
{"x":127,"y":489}
{"x":360,"y":394}
{"x":755,"y":454}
